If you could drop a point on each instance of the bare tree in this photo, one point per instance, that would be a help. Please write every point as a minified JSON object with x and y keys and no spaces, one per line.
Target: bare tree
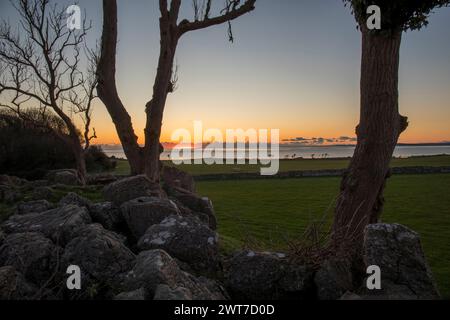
{"x":361,"y":197}
{"x":40,"y":64}
{"x":146,"y":159}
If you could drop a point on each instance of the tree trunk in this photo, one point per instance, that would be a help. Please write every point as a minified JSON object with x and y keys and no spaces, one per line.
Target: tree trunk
{"x":107,"y":90}
{"x":361,"y":197}
{"x":155,"y":107}
{"x":73,"y":142}
{"x":78,"y":152}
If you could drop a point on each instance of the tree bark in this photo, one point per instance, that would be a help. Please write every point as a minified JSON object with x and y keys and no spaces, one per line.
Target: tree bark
{"x":162,"y":86}
{"x":80,"y":162}
{"x":73,"y":142}
{"x":107,"y":90}
{"x":361,"y":196}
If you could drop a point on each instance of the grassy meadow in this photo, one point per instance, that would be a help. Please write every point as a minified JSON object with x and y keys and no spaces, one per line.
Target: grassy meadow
{"x":295,"y":165}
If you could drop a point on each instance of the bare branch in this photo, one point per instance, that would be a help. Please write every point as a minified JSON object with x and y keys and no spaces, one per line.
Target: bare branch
{"x":232,"y":11}
{"x":41,"y":63}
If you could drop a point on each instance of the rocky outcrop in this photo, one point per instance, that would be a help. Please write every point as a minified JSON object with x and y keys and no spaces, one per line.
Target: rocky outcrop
{"x":397,"y":251}
{"x":164,"y":292}
{"x":141,"y":213}
{"x":31,"y":254}
{"x":102,"y":178}
{"x":36,"y":206}
{"x":100,"y":254}
{"x":186,"y":239}
{"x":199,"y":206}
{"x":333,"y":279}
{"x":107,"y":214}
{"x":63,"y":176}
{"x":154,"y":268}
{"x":267,"y":276}
{"x":75,"y":199}
{"x":131,"y":188}
{"x":176,"y":237}
{"x":60,"y":225}
{"x":350,"y":296}
{"x":138,"y":294}
{"x":174,"y":177}
{"x":13,"y":285}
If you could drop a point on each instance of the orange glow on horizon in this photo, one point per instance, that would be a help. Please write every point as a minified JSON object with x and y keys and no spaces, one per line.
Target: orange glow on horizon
{"x":110,"y":137}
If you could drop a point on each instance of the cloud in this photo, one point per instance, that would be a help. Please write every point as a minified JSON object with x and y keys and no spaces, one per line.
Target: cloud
{"x":345,"y":138}
{"x":320,"y":140}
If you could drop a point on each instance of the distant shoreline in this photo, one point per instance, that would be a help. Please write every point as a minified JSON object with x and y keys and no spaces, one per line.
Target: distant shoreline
{"x":313,"y":159}
{"x":424,"y":144}
{"x":295,"y":151}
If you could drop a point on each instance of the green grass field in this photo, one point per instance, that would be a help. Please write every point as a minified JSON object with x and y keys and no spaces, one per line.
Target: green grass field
{"x":270,"y":211}
{"x":295,"y":165}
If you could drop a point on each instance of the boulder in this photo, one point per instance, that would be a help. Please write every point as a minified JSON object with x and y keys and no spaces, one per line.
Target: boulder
{"x":35,"y":206}
{"x":253,"y":275}
{"x":107,"y":214}
{"x":13,"y":285}
{"x":60,"y":224}
{"x":164,"y":292}
{"x":131,"y":188}
{"x":203,"y":217}
{"x":267,"y":276}
{"x":155,"y":267}
{"x":101,"y":179}
{"x":31,"y":254}
{"x":138,"y":294}
{"x":100,"y":254}
{"x":199,"y":206}
{"x":186,"y":239}
{"x":397,"y":251}
{"x":174,"y":177}
{"x":75,"y":199}
{"x":296,"y":282}
{"x":350,"y":296}
{"x":152,"y":268}
{"x":63,"y":176}
{"x":141,"y":213}
{"x":333,"y":279}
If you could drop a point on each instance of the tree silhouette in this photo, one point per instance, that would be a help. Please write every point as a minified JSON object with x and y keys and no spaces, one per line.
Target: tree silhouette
{"x":361,"y":197}
{"x":146,"y":159}
{"x":40,"y":69}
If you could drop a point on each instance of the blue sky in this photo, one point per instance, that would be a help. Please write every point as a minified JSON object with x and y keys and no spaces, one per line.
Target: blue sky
{"x":294,"y":65}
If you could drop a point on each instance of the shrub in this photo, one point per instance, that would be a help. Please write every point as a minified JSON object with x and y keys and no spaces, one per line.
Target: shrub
{"x":97,"y":160}
{"x":29,"y":148}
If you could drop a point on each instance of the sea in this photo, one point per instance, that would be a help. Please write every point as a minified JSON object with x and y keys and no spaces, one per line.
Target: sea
{"x":289,"y":151}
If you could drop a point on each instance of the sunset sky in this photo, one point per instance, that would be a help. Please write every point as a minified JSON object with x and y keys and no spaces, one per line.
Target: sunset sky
{"x":294,"y":66}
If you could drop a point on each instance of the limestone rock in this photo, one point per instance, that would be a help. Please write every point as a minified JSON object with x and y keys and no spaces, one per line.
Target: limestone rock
{"x":60,"y":225}
{"x":131,"y":188}
{"x":405,"y":273}
{"x":141,"y":213}
{"x":186,"y":239}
